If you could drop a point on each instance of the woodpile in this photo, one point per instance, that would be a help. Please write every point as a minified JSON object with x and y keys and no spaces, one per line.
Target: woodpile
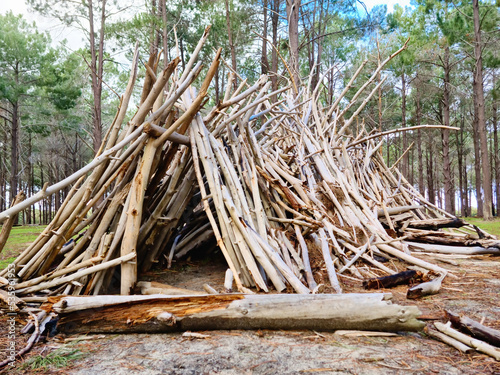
{"x":276,"y":178}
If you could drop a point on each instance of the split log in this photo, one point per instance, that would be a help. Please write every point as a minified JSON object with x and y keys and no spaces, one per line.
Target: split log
{"x":479,"y":331}
{"x":405,"y":277}
{"x":479,"y":345}
{"x":105,"y":314}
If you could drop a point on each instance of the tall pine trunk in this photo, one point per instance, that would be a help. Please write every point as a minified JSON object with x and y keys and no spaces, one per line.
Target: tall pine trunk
{"x":14,"y":154}
{"x":405,"y":163}
{"x":496,"y":151}
{"x":480,"y":114}
{"x":477,"y":167}
{"x":231,"y":42}
{"x":445,"y":137}
{"x":264,"y":61}
{"x":96,"y":67}
{"x":292,"y":13}
{"x":274,"y":54}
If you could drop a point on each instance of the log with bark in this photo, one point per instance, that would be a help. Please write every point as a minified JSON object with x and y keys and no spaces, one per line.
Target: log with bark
{"x":405,"y":277}
{"x":160,"y":313}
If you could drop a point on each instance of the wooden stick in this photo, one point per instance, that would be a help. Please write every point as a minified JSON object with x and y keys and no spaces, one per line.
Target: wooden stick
{"x":479,"y":345}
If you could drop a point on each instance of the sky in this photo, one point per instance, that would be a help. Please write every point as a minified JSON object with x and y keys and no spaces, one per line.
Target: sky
{"x":59,"y":32}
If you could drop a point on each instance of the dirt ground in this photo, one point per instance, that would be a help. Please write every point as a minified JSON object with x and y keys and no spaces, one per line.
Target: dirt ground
{"x":474,"y":292}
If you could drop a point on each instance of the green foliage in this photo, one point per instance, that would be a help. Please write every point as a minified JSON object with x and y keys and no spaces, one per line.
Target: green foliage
{"x":23,"y":52}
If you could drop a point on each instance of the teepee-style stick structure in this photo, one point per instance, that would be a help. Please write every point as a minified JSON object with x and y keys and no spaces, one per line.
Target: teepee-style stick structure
{"x":283,"y":184}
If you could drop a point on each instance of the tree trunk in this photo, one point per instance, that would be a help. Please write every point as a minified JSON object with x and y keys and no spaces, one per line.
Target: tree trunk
{"x":477,"y":167}
{"x":231,"y":42}
{"x":445,"y":137}
{"x":3,"y":157}
{"x":405,"y":163}
{"x":292,"y":13}
{"x":96,"y":72}
{"x":274,"y":54}
{"x":367,"y":311}
{"x":418,"y":115}
{"x":430,"y":173}
{"x":461,"y":177}
{"x":14,"y":153}
{"x":264,"y":62}
{"x":481,"y":118}
{"x":496,"y":151}
{"x":166,"y":58}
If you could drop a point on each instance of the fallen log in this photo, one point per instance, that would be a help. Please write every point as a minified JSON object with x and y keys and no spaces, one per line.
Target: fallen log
{"x":435,"y":224}
{"x":479,"y":331}
{"x":405,"y":277}
{"x":160,"y":313}
{"x":445,"y":249}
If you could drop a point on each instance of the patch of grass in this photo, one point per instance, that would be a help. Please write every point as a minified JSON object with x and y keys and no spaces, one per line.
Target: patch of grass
{"x":19,"y":238}
{"x":492,"y":227}
{"x":4,"y":262}
{"x":56,"y":359}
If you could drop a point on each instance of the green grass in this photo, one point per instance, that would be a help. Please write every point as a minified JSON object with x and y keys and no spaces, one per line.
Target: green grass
{"x":57,"y":359}
{"x":19,"y":238}
{"x":492,"y":227}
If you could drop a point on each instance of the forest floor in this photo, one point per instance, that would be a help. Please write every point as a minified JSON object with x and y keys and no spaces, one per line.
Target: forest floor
{"x":475,"y":293}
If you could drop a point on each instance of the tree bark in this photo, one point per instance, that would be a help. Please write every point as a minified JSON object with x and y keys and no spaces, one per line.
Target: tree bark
{"x":96,"y":72}
{"x":370,"y":311}
{"x":445,"y":137}
{"x":292,"y":13}
{"x":274,"y":54}
{"x":264,"y":61}
{"x":14,"y":152}
{"x":477,"y":166}
{"x":405,"y":163}
{"x":496,"y":151}
{"x":231,"y":42}
{"x":462,"y":171}
{"x":418,"y":116}
{"x":430,"y":173}
{"x":480,"y":113}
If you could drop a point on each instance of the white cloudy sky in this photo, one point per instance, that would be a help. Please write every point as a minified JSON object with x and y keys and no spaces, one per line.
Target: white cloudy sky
{"x":59,"y":32}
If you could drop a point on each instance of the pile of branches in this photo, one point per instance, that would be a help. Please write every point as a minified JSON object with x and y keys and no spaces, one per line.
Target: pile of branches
{"x":276,"y":178}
